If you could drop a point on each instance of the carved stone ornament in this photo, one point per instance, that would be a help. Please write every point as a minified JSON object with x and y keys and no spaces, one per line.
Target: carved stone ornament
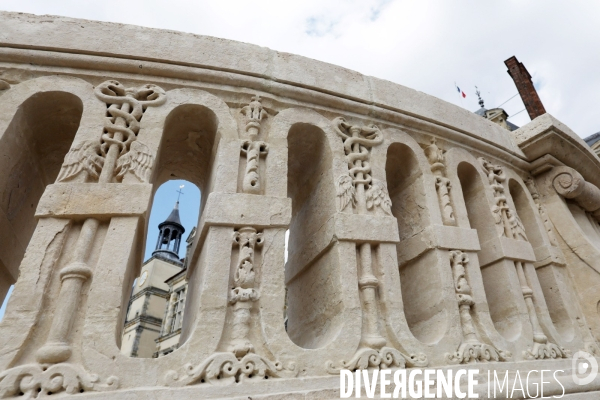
{"x":114,"y":155}
{"x":225,"y":369}
{"x":238,"y":363}
{"x":82,"y":156}
{"x":507,"y":221}
{"x":436,"y":159}
{"x":253,"y":149}
{"x":529,"y":182}
{"x":31,"y":381}
{"x":471,"y":349}
{"x":384,"y":358}
{"x":359,"y":188}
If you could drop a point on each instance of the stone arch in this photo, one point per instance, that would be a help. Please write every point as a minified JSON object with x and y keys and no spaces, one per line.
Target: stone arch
{"x":39,"y":98}
{"x":188,"y":134}
{"x":421,"y":284}
{"x":505,"y":310}
{"x":38,"y":125}
{"x":548,"y":278}
{"x":314,"y":313}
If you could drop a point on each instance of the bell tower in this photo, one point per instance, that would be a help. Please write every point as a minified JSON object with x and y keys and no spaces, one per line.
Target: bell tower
{"x":169,"y":238}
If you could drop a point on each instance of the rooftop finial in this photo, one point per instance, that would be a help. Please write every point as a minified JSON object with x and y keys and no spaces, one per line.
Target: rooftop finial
{"x":180,"y":192}
{"x":478,"y":93}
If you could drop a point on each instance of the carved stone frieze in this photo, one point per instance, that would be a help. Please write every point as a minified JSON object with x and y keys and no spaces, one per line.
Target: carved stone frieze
{"x":31,"y":381}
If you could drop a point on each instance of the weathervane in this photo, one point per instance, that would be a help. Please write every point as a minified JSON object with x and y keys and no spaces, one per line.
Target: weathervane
{"x":478,"y":93}
{"x":180,"y":192}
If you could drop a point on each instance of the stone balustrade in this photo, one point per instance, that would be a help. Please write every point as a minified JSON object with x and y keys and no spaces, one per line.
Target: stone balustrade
{"x":420,"y":235}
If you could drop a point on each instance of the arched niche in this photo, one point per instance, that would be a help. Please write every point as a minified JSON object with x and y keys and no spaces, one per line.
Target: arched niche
{"x":314,"y":303}
{"x":551,"y":277}
{"x":186,"y":135}
{"x":496,"y":276}
{"x":421,"y":283}
{"x":187,"y":150}
{"x":157,"y":304}
{"x":32,"y":149}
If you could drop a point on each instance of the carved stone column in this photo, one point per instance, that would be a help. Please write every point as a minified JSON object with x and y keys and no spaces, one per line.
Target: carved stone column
{"x":126,"y":108}
{"x":365,"y":195}
{"x":238,"y":361}
{"x":509,"y":224}
{"x":471,"y":349}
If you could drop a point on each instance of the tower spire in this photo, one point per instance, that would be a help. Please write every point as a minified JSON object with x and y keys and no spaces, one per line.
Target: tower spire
{"x":169,"y":238}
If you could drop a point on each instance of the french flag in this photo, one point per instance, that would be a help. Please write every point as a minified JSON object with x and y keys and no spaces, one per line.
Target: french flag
{"x":460,"y":92}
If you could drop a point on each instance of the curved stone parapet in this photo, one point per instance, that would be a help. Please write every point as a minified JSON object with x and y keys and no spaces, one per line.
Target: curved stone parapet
{"x":421,"y":235}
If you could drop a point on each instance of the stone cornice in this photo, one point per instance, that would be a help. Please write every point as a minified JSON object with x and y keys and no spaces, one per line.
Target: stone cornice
{"x":153,"y":52}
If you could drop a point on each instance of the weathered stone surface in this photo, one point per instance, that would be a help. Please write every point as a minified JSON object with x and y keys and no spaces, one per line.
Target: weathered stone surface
{"x":420,"y":234}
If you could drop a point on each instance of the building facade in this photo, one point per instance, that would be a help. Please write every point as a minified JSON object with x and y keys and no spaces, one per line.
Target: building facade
{"x":421,"y":235}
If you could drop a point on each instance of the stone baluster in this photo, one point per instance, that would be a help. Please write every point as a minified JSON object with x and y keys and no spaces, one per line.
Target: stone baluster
{"x":365,"y":194}
{"x":509,"y":224}
{"x":471,"y":348}
{"x":73,"y":276}
{"x":116,"y":146}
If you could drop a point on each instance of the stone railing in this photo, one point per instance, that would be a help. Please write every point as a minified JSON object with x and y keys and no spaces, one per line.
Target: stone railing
{"x":418,"y":237}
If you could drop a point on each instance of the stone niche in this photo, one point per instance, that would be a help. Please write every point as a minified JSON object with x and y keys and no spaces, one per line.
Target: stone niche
{"x":420,"y":235}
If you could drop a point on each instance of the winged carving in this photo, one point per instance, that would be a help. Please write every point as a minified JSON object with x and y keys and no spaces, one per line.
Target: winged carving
{"x":82,"y":156}
{"x":378,"y":196}
{"x":345,"y":192}
{"x":138,"y":159}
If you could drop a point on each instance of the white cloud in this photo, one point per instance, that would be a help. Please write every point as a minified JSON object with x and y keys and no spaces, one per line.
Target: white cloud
{"x":426,"y":45}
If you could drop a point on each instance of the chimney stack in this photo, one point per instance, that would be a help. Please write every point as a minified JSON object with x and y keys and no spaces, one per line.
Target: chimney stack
{"x":524,"y":85}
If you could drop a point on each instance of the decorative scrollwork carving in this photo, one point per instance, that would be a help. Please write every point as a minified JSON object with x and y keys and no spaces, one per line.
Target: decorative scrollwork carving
{"x":243,"y":294}
{"x":477,"y":352}
{"x":386,"y":357}
{"x":28,"y":381}
{"x":225,"y":369}
{"x":545,"y":350}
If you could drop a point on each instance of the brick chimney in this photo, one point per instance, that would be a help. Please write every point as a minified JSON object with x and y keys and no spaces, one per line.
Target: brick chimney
{"x":524,"y":85}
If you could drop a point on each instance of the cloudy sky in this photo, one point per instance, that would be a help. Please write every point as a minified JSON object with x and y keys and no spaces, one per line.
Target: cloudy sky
{"x":426,"y":45}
